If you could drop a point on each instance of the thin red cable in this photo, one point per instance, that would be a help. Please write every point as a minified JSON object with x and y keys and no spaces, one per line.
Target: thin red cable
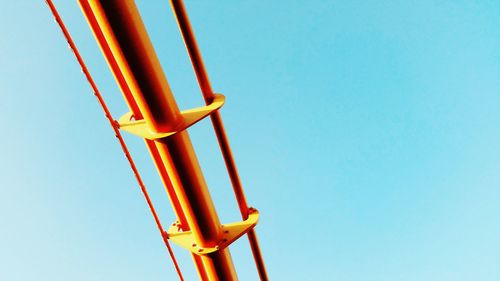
{"x":115,"y":127}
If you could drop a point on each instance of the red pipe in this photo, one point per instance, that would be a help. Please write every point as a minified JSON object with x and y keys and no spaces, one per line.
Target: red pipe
{"x":120,"y":32}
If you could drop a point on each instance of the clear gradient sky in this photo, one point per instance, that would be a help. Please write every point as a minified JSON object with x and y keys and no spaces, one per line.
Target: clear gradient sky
{"x":366,"y":132}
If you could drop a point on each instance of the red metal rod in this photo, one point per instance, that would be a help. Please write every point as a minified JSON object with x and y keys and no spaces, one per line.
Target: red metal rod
{"x":206,"y":89}
{"x":127,"y":93}
{"x":121,"y":29}
{"x":116,"y":131}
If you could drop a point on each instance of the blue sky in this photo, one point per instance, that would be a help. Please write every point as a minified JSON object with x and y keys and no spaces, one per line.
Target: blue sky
{"x":366,"y":133}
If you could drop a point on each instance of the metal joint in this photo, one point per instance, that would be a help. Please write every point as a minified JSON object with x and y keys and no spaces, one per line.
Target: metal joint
{"x":231,"y":232}
{"x":189,"y":118}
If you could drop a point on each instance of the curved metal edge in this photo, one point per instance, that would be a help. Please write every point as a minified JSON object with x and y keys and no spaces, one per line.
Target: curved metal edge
{"x":190,"y":117}
{"x":231,"y":232}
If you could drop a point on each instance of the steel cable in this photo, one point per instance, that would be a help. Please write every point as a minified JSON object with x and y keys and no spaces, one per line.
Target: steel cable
{"x":115,"y":127}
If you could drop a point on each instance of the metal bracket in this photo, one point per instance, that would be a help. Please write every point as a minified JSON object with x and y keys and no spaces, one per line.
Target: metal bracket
{"x":231,"y":232}
{"x":189,"y":118}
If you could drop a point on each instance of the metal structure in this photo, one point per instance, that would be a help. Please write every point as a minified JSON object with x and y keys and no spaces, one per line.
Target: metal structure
{"x":155,"y":117}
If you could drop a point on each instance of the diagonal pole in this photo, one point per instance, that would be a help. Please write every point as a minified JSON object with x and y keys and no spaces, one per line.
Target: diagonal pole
{"x":116,"y":130}
{"x":208,"y":94}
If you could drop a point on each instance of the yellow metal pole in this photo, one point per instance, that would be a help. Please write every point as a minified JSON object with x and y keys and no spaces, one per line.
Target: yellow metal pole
{"x":123,"y":38}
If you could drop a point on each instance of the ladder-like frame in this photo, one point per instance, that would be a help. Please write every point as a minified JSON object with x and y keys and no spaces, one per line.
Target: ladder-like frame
{"x":155,"y":117}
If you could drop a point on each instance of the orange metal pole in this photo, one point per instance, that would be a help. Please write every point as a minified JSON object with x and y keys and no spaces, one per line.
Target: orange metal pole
{"x":132,"y":104}
{"x":206,"y":89}
{"x":115,"y":128}
{"x":122,"y":36}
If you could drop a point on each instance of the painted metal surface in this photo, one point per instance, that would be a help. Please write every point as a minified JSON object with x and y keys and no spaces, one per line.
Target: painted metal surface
{"x":122,"y":36}
{"x":155,"y":117}
{"x":116,"y":131}
{"x":189,"y":117}
{"x":231,"y":232}
{"x":193,"y":50}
